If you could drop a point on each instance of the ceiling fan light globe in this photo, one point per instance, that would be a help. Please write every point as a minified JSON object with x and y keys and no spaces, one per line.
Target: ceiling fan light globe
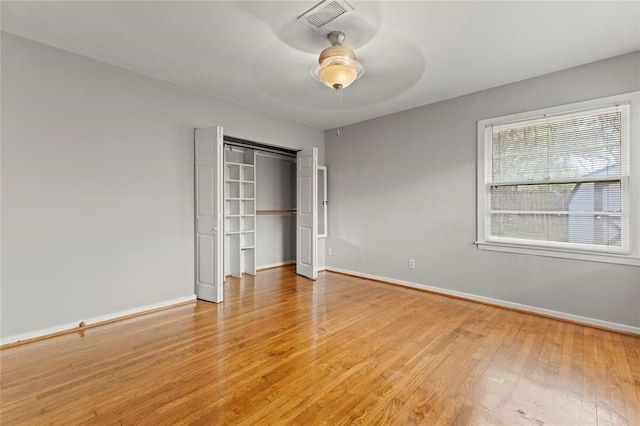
{"x":338,"y":72}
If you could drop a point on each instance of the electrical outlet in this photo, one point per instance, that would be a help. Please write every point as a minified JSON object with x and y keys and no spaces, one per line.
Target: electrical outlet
{"x":329,"y":251}
{"x":412,"y":264}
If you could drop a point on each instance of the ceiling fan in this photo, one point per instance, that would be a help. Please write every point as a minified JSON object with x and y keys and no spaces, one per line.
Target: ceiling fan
{"x":285,"y":69}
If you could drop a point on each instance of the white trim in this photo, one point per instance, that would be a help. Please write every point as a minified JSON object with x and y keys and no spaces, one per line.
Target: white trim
{"x":577,"y":107}
{"x":554,"y":181}
{"x":109,"y":317}
{"x":323,"y":206}
{"x":550,"y":252}
{"x":497,"y":302}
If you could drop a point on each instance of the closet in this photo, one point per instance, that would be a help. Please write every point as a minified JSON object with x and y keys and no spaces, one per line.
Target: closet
{"x":256,"y":206}
{"x":259,"y":209}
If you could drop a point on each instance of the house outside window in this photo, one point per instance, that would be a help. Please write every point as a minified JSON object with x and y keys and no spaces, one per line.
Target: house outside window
{"x":563,"y":181}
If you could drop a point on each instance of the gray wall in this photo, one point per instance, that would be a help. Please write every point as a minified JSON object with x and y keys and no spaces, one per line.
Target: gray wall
{"x":404,"y":186}
{"x":97,"y":185}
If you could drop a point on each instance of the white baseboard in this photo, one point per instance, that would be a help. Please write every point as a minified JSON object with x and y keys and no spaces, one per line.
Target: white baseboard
{"x":92,"y":321}
{"x":497,"y":302}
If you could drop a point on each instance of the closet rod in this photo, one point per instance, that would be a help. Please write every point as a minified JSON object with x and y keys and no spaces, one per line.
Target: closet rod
{"x":276,"y":156}
{"x":242,"y":143}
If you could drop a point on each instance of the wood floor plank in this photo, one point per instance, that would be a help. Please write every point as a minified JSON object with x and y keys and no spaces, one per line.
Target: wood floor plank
{"x":283,"y":349}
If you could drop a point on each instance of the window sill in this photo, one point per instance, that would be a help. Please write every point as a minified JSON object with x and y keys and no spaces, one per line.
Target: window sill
{"x":534,"y":251}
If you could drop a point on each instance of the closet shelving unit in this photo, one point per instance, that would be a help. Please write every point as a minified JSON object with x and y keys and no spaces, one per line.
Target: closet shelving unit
{"x":240,"y":210}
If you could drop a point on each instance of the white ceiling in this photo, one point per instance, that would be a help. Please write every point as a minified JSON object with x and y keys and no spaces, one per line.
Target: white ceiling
{"x":256,"y":54}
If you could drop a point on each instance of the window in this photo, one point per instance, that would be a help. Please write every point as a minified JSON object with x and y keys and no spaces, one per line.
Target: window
{"x":562,"y":181}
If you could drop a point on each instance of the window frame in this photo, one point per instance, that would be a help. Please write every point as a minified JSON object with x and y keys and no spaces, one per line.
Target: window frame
{"x":629,"y":255}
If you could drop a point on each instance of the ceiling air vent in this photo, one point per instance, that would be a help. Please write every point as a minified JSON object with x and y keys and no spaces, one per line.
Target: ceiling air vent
{"x":321,"y":15}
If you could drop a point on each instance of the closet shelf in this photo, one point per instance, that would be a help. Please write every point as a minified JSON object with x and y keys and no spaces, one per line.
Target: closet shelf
{"x":276,"y":211}
{"x":239,"y":164}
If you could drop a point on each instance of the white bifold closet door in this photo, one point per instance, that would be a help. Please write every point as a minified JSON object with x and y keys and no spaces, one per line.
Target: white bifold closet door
{"x":307,"y":213}
{"x":209,"y":274}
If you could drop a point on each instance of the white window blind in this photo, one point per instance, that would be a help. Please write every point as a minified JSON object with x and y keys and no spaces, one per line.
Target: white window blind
{"x":558,"y":180}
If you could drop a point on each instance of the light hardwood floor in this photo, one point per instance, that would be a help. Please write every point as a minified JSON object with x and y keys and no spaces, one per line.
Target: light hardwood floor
{"x":285,"y":350}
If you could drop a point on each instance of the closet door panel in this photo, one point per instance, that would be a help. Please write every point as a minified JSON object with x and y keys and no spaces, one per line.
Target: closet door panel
{"x":208,"y":212}
{"x":307,"y":214}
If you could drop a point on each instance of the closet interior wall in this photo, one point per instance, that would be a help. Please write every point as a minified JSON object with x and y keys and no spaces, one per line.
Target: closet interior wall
{"x":275,"y":210}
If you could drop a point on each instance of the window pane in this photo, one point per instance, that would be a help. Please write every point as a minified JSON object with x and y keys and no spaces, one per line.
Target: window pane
{"x":578,"y":228}
{"x":545,"y":197}
{"x":584,"y":213}
{"x":558,"y":148}
{"x":595,"y":229}
{"x":540,"y":227}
